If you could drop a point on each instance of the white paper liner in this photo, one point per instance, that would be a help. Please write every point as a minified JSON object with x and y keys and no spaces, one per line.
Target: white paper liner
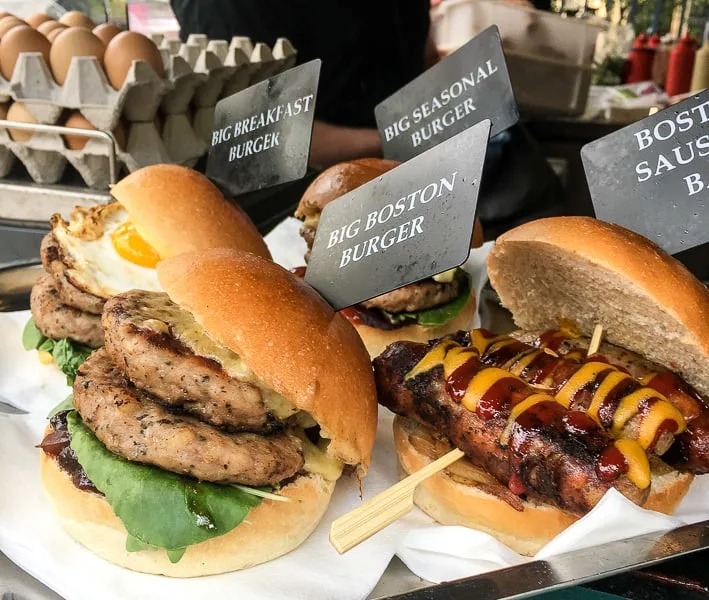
{"x":31,"y":536}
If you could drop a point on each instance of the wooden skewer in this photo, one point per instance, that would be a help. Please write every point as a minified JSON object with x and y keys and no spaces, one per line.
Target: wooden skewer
{"x":385,"y":508}
{"x":595,"y":339}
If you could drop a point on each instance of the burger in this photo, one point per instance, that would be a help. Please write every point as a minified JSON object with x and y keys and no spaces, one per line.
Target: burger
{"x":158,"y":212}
{"x":550,"y":420}
{"x":420,"y":311}
{"x":207,"y":435}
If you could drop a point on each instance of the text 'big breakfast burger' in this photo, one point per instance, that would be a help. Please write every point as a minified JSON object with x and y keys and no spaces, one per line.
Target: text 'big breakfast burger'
{"x":209,"y":432}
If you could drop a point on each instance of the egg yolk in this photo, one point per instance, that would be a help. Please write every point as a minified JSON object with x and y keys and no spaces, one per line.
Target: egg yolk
{"x":133,"y":248}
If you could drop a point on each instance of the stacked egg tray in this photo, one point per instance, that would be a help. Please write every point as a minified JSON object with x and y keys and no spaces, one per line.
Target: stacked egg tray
{"x":167,"y":120}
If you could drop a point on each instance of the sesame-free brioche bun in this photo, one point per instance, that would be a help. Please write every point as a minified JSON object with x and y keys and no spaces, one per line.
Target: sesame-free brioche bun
{"x":273,"y":528}
{"x":339,"y":180}
{"x":592,"y":272}
{"x":288,"y":336}
{"x":376,"y":340}
{"x":176,"y":210}
{"x":468,"y":496}
{"x":344,"y":177}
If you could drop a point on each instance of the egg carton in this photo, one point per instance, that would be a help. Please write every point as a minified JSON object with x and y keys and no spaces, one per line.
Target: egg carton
{"x":87,"y":90}
{"x":45,"y":155}
{"x":219,"y":69}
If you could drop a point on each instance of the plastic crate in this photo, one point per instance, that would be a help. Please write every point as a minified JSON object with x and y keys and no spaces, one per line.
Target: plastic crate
{"x":549,"y":57}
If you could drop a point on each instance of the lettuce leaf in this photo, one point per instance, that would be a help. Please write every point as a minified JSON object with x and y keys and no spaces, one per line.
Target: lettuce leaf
{"x":438,"y":315}
{"x":157,"y":507}
{"x":64,"y":406}
{"x":67,"y":354}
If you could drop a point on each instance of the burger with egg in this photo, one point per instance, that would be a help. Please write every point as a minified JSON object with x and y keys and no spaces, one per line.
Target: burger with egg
{"x":208,"y":434}
{"x":420,"y":311}
{"x":159,"y":211}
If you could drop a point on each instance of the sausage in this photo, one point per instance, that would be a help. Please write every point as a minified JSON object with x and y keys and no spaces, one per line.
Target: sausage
{"x":526,"y":440}
{"x":609,"y":394}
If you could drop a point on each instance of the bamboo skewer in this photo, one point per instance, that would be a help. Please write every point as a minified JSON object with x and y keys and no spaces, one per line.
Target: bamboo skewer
{"x":595,"y":339}
{"x":375,"y":514}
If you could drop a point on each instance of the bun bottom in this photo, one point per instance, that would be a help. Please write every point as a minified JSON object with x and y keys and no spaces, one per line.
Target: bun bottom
{"x":273,"y":528}
{"x":468,"y":496}
{"x":376,"y":340}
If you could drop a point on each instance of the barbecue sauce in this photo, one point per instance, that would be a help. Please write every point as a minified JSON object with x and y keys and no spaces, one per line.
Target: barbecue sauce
{"x":494,"y":393}
{"x":56,"y":444}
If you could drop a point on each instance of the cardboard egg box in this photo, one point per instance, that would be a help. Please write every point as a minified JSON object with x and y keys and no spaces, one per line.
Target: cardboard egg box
{"x":87,"y":90}
{"x":167,"y":120}
{"x":45,"y":156}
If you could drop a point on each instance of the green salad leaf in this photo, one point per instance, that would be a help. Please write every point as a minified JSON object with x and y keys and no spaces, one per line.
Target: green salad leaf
{"x":63,"y":406}
{"x":157,"y":507}
{"x":32,"y":337}
{"x":440,"y":314}
{"x":67,"y":354}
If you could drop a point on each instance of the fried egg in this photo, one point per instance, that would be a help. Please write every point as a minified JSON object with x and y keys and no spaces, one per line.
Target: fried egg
{"x":104,"y":253}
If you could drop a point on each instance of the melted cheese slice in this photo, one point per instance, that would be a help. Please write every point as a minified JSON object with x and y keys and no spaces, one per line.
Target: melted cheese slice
{"x":317,"y":461}
{"x":158,"y":311}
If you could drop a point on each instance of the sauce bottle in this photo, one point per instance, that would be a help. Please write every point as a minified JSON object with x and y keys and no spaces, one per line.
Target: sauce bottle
{"x":639,"y":61}
{"x":660,"y":63}
{"x":700,"y":73}
{"x":679,"y":70}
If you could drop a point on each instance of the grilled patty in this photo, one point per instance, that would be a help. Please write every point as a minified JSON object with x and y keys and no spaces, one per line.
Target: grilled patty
{"x":57,"y":320}
{"x":133,"y":425}
{"x":140,"y":341}
{"x":416,"y":296}
{"x":68,"y":292}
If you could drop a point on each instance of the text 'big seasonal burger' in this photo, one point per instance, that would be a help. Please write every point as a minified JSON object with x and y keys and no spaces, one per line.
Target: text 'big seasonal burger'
{"x":160,"y":211}
{"x":548,"y":423}
{"x":420,"y":311}
{"x":209,"y":432}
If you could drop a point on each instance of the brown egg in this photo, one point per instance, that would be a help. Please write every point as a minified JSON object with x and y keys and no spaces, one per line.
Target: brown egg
{"x":77,"y":142}
{"x":4,"y":14}
{"x":106,"y":32}
{"x":75,"y":18}
{"x":20,"y":39}
{"x":47,"y":26}
{"x":7,"y":23}
{"x":54,"y":33}
{"x":18,"y":112}
{"x":37,"y":19}
{"x":126,"y":47}
{"x":74,"y":41}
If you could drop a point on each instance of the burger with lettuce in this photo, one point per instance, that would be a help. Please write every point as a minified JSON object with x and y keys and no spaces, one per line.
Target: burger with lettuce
{"x":417,"y":312}
{"x":209,"y":432}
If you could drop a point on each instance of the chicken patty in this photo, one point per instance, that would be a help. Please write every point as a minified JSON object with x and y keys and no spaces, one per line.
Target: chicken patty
{"x":416,"y":296}
{"x":56,"y":320}
{"x":140,"y":341}
{"x":69,"y":294}
{"x":131,"y":424}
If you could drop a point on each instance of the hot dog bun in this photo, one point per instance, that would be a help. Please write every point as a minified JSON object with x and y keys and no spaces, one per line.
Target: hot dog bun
{"x":593,"y":272}
{"x":467,"y":495}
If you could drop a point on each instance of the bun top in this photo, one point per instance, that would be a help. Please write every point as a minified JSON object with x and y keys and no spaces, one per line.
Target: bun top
{"x":176,"y":210}
{"x":339,"y":180}
{"x":590,"y":272}
{"x":287,"y":335}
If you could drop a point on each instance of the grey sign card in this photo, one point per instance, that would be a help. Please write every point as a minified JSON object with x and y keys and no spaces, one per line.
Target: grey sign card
{"x":413,"y":222}
{"x":467,"y":86}
{"x":653,"y":176}
{"x":261,"y":135}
